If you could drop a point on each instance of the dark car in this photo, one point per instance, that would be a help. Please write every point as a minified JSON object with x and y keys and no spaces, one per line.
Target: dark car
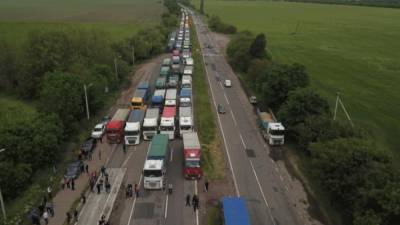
{"x":88,"y":145}
{"x":73,"y":170}
{"x":221,"y":109}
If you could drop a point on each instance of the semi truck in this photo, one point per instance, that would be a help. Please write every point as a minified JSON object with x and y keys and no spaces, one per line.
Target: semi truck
{"x":192,"y":154}
{"x":173,"y":81}
{"x":165,"y":71}
{"x":176,"y":64}
{"x":167,"y":124}
{"x":160,"y":82}
{"x":157,"y":101}
{"x":133,"y":127}
{"x":235,"y":211}
{"x":150,"y":123}
{"x":155,"y":168}
{"x":185,"y":97}
{"x":166,"y":62}
{"x":170,"y":97}
{"x":139,"y":99}
{"x":185,"y":120}
{"x":115,"y":128}
{"x":272,"y":131}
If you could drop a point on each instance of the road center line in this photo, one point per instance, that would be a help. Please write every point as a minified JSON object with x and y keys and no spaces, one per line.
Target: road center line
{"x":241,"y":138}
{"x":233,"y":117}
{"x":134,"y":203}
{"x":262,"y":193}
{"x":166,"y":207}
{"x":226,"y":98}
{"x":171,"y":155}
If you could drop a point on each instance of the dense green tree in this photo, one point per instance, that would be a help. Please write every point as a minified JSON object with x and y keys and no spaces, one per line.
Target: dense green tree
{"x":257,"y":68}
{"x":278,"y":80}
{"x":258,"y":47}
{"x":301,"y":104}
{"x":14,"y":178}
{"x":215,"y":24}
{"x":238,"y":50}
{"x":62,"y":94}
{"x":8,"y":67}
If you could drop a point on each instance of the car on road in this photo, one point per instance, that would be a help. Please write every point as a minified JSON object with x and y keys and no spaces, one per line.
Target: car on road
{"x":221,"y":109}
{"x":98,"y":131}
{"x":253,"y":99}
{"x":74,"y":170}
{"x":88,"y":145}
{"x":228,"y":83}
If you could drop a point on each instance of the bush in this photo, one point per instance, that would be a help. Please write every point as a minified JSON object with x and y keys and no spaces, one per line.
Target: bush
{"x":215,"y":23}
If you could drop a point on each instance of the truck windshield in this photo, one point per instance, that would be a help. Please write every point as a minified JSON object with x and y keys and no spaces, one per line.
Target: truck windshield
{"x":149,"y":128}
{"x":131,"y":133}
{"x":185,"y":104}
{"x":192,"y":163}
{"x":277,"y":132}
{"x":186,"y":127}
{"x":112,"y":131}
{"x":136,"y":103}
{"x":167,"y":128}
{"x":152,"y":173}
{"x":97,"y":129}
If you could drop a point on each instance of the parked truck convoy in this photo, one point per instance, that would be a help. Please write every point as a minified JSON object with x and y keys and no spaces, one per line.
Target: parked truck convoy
{"x":155,"y":168}
{"x":167,"y":124}
{"x":133,"y":127}
{"x":192,"y":154}
{"x":157,"y":101}
{"x":186,"y":81}
{"x":150,"y":123}
{"x":140,"y":96}
{"x":160,"y":82}
{"x":115,"y":128}
{"x":272,"y":131}
{"x":185,"y":120}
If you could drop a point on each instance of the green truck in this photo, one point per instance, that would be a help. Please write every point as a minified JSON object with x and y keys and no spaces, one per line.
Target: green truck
{"x":155,"y":168}
{"x":165,"y":71}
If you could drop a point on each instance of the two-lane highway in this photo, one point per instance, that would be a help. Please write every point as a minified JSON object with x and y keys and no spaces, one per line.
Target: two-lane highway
{"x":255,"y":175}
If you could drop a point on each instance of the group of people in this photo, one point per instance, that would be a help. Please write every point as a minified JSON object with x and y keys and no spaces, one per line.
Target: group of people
{"x":69,"y":216}
{"x":129,"y":191}
{"x":46,"y":207}
{"x":195,"y":202}
{"x":103,"y":221}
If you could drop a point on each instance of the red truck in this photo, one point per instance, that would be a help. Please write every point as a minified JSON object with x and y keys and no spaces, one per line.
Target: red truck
{"x":192,"y":153}
{"x":115,"y":128}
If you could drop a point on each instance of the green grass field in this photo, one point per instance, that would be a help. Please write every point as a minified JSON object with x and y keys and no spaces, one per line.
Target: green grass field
{"x":119,"y":18}
{"x":354,"y":50}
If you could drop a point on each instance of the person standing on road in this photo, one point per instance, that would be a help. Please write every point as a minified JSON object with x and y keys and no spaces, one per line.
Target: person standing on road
{"x":137,"y":190}
{"x":124,"y":147}
{"x":98,"y":185}
{"x":194,"y":200}
{"x":206,"y":186}
{"x":188,"y":200}
{"x":87,"y":168}
{"x":69,"y":217}
{"x":76,"y":215}
{"x":103,"y":171}
{"x":108,"y":187}
{"x":46,"y":218}
{"x":73,"y":184}
{"x":83,"y":198}
{"x":99,"y":154}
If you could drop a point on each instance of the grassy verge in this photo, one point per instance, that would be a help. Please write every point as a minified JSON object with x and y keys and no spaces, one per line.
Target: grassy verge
{"x":213,"y":159}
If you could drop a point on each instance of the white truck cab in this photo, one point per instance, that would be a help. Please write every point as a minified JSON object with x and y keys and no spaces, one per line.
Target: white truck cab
{"x":153,"y":174}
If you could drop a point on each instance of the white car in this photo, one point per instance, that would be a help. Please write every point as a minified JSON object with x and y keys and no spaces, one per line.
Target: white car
{"x":98,"y":131}
{"x":228,"y":83}
{"x":189,"y":61}
{"x":186,"y":54}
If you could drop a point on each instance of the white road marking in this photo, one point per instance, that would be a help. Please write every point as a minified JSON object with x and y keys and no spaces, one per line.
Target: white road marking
{"x":241,"y":138}
{"x":134,"y":203}
{"x":222,"y":131}
{"x":226,"y":98}
{"x":262,"y":193}
{"x":112,"y":153}
{"x":234,"y":119}
{"x":171,"y":154}
{"x":197,"y":211}
{"x":166,"y":207}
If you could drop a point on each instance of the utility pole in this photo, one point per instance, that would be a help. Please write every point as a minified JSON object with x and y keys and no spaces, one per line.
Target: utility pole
{"x":3,"y":208}
{"x":116,"y":67}
{"x":133,"y":55}
{"x":86,"y":99}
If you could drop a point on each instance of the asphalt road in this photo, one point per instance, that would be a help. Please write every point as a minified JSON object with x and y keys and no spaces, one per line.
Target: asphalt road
{"x":257,"y":179}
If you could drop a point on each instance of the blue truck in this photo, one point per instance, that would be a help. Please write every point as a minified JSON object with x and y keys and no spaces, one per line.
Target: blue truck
{"x":185,"y":97}
{"x":235,"y":211}
{"x":157,"y":101}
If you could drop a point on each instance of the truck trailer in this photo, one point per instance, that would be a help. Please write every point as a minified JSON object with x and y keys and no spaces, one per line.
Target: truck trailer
{"x":139,"y":99}
{"x":133,"y":127}
{"x":185,"y":97}
{"x":192,"y":155}
{"x":167,"y":124}
{"x":155,"y":168}
{"x":150,"y":123}
{"x":185,"y":120}
{"x":157,"y":101}
{"x":170,"y":97}
{"x":115,"y":128}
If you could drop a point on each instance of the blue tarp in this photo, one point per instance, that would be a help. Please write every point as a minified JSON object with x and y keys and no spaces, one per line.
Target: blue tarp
{"x":235,"y":211}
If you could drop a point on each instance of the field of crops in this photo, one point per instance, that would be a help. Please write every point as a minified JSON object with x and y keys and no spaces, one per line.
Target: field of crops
{"x":350,"y":49}
{"x":119,"y":18}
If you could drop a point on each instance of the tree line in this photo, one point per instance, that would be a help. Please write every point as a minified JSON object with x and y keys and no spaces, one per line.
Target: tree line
{"x":50,"y":73}
{"x":373,"y":3}
{"x":358,"y":175}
